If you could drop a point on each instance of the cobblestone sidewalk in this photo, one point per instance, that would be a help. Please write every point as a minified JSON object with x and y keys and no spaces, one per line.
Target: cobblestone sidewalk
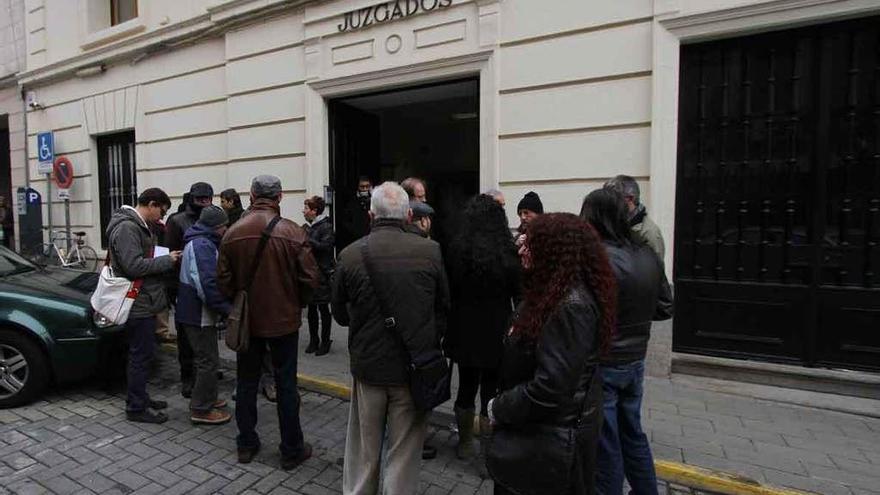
{"x":77,"y":440}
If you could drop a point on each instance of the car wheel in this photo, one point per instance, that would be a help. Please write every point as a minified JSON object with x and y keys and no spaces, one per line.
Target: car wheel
{"x":24,"y":369}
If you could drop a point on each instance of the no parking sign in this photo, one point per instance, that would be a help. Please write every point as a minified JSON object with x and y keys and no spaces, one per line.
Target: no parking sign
{"x":62,"y":172}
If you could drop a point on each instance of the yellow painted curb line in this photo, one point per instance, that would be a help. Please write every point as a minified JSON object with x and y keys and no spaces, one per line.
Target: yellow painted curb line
{"x":326,"y":387}
{"x":715,"y":481}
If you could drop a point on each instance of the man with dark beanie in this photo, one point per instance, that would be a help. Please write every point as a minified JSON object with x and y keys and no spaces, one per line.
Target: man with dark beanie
{"x":200,"y":308}
{"x":201,"y":194}
{"x":528,"y":208}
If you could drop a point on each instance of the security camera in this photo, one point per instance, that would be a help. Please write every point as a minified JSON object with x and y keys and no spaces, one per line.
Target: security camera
{"x":32,"y":100}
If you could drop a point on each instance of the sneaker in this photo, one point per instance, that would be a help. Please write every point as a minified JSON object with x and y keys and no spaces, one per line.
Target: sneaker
{"x":158,"y":404}
{"x":146,"y":416}
{"x":270,"y":392}
{"x":220,"y":404}
{"x":288,"y":463}
{"x":245,"y":456}
{"x":212,"y":417}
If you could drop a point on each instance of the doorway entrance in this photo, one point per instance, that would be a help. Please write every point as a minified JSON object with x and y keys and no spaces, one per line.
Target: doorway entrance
{"x":430,"y":132}
{"x":778,"y":204}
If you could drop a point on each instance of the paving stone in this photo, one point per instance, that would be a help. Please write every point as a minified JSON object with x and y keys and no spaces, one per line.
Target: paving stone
{"x":100,"y":452}
{"x":130,"y":479}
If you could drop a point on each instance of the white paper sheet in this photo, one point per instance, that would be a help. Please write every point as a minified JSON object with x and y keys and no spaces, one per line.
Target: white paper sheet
{"x":160,"y":251}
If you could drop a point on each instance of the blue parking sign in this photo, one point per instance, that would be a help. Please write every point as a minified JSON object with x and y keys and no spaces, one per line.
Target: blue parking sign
{"x":45,"y":147}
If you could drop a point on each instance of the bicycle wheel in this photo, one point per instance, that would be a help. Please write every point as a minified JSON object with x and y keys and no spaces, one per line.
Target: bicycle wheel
{"x":88,"y":259}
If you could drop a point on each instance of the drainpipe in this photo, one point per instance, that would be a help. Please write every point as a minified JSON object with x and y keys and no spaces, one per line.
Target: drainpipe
{"x":27,"y":162}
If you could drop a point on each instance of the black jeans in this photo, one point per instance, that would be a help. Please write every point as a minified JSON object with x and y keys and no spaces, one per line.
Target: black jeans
{"x":141,"y":349}
{"x":469,"y":380}
{"x":325,"y":323}
{"x":185,"y":358}
{"x":207,"y":359}
{"x":284,"y":359}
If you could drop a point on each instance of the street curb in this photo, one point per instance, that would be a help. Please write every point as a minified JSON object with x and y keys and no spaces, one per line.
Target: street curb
{"x":715,"y":481}
{"x":675,"y":472}
{"x":326,"y":387}
{"x":681,"y":474}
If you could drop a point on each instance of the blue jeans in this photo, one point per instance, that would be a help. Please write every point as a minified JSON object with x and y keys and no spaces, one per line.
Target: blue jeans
{"x":623,"y":446}
{"x":283,"y":351}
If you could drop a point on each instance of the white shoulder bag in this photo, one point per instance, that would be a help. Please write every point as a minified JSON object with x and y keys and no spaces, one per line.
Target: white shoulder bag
{"x":114,"y":296}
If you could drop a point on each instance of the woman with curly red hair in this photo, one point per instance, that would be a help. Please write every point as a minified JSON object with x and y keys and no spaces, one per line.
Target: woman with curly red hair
{"x":548,"y":415}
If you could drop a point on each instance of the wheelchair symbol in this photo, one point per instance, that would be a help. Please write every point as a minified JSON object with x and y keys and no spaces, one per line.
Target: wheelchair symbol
{"x":44,"y":150}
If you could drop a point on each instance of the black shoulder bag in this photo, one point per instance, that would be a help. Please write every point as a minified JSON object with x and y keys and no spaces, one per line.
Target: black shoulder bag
{"x":429,"y":376}
{"x":238,"y":334}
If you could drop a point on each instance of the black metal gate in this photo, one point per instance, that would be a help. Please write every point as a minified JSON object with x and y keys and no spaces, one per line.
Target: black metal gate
{"x":778,"y":197}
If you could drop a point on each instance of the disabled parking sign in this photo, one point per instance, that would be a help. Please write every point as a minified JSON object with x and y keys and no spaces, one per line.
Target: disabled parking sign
{"x":45,"y":152}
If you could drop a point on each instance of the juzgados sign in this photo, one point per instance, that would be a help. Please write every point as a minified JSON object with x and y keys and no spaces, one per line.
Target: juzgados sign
{"x":388,"y":11}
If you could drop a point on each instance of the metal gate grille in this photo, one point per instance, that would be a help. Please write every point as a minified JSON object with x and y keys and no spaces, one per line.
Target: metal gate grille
{"x":777,"y":222}
{"x":116,"y":175}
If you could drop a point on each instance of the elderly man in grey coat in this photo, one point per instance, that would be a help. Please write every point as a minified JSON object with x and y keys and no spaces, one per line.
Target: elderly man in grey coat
{"x":412,"y":282}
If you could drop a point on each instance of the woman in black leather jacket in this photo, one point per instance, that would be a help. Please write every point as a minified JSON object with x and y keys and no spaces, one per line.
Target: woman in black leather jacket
{"x":643,"y":296}
{"x":547,"y":419}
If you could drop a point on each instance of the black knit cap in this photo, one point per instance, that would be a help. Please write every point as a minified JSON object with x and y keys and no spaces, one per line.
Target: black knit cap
{"x":531,"y":202}
{"x":201,"y":190}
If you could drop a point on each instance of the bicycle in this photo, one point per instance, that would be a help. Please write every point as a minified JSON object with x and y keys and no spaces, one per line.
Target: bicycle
{"x":80,"y":257}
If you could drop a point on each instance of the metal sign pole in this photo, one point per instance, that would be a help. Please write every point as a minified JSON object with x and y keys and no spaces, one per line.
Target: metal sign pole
{"x":49,"y":203}
{"x":67,"y":221}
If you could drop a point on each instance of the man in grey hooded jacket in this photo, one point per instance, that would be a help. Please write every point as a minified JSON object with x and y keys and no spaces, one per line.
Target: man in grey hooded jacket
{"x":132,"y":245}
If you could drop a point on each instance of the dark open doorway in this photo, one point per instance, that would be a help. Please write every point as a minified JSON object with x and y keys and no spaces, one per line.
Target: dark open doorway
{"x":430,"y":132}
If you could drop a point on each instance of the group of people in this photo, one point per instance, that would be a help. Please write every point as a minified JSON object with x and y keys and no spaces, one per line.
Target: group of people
{"x":212,"y":253}
{"x":548,"y":325}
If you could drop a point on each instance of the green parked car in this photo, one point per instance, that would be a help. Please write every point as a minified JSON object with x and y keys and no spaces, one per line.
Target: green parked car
{"x":47,"y":332}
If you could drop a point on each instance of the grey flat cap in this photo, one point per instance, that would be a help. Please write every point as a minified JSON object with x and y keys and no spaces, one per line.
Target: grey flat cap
{"x":421,"y":209}
{"x":266,"y":186}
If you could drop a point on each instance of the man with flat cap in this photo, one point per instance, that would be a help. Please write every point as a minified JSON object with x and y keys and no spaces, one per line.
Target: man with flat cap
{"x":421,"y":219}
{"x":280,"y":281}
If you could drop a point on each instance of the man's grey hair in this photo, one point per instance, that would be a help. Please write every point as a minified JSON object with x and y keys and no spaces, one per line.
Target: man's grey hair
{"x":626,"y":186}
{"x":389,"y":201}
{"x":493,"y":192}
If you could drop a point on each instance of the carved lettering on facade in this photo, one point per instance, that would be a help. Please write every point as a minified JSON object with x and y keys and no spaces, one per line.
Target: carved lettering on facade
{"x":388,"y":11}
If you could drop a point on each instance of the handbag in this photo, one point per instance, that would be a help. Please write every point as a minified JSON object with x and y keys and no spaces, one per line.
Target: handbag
{"x":515,"y":454}
{"x":429,"y":375}
{"x":114,"y":295}
{"x":238,"y":335}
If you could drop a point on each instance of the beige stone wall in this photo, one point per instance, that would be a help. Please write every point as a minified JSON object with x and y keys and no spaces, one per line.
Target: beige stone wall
{"x":571,"y":92}
{"x":575,"y":97}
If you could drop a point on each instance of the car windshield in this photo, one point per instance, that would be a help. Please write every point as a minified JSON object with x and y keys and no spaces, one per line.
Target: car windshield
{"x":11,"y":263}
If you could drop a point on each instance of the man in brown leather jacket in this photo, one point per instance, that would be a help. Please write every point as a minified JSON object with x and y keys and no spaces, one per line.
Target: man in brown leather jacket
{"x":284,"y":278}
